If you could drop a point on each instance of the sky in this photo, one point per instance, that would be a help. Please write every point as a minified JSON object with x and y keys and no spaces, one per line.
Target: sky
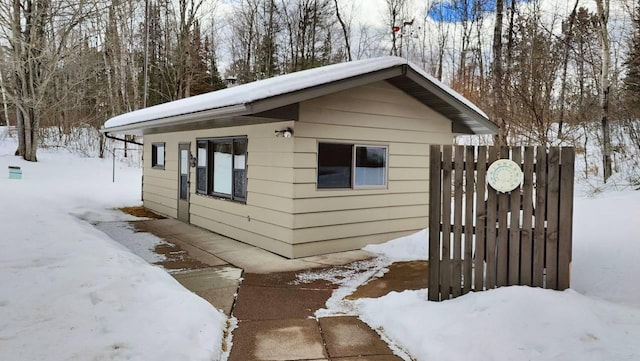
{"x":373,"y":14}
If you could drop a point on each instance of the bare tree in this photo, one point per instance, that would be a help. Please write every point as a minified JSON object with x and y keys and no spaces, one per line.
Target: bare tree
{"x":37,"y":34}
{"x":5,"y":106}
{"x":345,"y":31}
{"x":568,"y":32}
{"x":396,"y":15}
{"x":187,"y":15}
{"x":498,"y":76}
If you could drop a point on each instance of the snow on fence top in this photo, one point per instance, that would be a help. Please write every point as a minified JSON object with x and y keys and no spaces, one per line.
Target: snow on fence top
{"x":266,"y":88}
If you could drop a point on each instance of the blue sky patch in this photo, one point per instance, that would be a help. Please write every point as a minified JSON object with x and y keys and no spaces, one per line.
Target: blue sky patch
{"x":458,"y":10}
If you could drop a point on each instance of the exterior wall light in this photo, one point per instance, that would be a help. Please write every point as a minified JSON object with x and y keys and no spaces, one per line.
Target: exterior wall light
{"x":286,"y":133}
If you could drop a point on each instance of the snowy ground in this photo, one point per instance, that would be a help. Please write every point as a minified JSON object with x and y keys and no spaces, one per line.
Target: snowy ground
{"x":597,"y":319}
{"x":67,"y":291}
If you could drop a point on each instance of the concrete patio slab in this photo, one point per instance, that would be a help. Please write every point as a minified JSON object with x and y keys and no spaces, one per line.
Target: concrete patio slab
{"x":401,"y":276}
{"x":338,"y":259}
{"x":220,"y":298}
{"x":281,"y":340}
{"x":216,"y":245}
{"x":269,"y":303}
{"x":275,"y":311}
{"x":284,"y":279}
{"x":195,"y":252}
{"x":177,"y":259}
{"x":218,"y":277}
{"x":214,"y":249}
{"x":218,"y":286}
{"x":256,"y":260}
{"x":165,"y":226}
{"x":370,"y":358}
{"x":348,"y":336}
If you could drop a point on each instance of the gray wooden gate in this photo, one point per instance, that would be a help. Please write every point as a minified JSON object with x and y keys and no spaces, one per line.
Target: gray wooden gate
{"x":480,"y":239}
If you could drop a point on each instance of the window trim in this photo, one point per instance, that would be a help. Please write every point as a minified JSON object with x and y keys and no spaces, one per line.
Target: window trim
{"x":209,"y":168}
{"x":154,"y":155}
{"x":352,"y":181}
{"x":206,"y":166}
{"x":386,"y":167}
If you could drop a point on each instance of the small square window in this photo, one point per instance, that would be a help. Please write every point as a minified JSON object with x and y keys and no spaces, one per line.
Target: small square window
{"x":370,"y":166}
{"x":351,"y":166}
{"x":157,"y":155}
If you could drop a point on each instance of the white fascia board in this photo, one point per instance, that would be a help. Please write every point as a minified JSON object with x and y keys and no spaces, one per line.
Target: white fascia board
{"x":234,"y":110}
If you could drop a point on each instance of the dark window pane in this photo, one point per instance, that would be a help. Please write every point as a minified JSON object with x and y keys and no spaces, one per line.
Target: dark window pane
{"x":239,"y":184}
{"x":184,"y":186}
{"x":201,"y":168}
{"x":371,"y":166}
{"x":157,"y":155}
{"x":334,"y":165}
{"x":201,"y":180}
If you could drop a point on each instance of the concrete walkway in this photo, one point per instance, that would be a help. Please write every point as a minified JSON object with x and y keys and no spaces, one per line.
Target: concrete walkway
{"x":217,"y":250}
{"x":275,"y":314}
{"x":276,"y":322}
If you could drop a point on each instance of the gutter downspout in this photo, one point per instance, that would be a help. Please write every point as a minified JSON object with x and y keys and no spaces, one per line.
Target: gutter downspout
{"x":113,"y":171}
{"x":106,"y":134}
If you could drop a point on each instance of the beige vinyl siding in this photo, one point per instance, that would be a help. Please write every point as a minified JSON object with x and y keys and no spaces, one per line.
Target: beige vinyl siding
{"x":285,"y":212}
{"x":266,"y":220}
{"x":308,"y":220}
{"x":377,"y":114}
{"x":343,"y":244}
{"x":160,"y":186}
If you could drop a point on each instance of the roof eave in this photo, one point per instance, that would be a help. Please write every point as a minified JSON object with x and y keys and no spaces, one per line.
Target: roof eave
{"x":483,"y":124}
{"x":467,"y":121}
{"x":182,"y":119}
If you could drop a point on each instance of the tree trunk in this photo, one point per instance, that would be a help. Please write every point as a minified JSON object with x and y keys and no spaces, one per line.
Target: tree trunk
{"x":603,"y":17}
{"x":498,"y":82}
{"x":4,"y":100}
{"x":20,"y":128}
{"x":565,"y":63}
{"x":30,"y":134}
{"x":345,"y":31}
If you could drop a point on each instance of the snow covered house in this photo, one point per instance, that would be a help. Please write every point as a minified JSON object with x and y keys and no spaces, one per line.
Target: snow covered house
{"x":322,"y":160}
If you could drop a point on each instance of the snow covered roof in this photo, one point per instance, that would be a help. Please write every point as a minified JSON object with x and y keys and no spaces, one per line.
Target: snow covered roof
{"x":246,"y":103}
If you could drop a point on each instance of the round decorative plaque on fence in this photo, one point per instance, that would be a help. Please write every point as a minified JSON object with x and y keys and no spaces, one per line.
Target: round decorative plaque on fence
{"x":504,"y":175}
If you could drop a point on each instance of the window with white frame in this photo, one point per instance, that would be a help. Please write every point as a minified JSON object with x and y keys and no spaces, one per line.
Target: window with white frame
{"x":157,"y":155}
{"x":221,"y":167}
{"x":343,"y":165}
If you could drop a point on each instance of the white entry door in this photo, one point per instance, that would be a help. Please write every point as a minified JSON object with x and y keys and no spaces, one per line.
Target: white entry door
{"x":183,"y":182}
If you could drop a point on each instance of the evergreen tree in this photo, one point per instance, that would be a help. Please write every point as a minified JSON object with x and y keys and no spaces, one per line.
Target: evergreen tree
{"x":213,"y":75}
{"x":200,"y":76}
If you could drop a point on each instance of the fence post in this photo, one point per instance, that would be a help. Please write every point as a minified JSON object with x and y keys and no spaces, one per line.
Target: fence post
{"x":567,"y":159}
{"x":434,"y":222}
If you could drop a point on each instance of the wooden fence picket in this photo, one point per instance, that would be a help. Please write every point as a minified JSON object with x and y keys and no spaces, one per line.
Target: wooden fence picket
{"x":522,"y":237}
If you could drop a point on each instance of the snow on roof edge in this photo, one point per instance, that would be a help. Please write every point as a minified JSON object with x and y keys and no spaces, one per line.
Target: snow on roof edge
{"x":257,"y":90}
{"x":279,"y":85}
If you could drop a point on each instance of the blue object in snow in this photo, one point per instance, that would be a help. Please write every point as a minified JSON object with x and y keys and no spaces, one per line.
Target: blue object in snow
{"x":15,"y":172}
